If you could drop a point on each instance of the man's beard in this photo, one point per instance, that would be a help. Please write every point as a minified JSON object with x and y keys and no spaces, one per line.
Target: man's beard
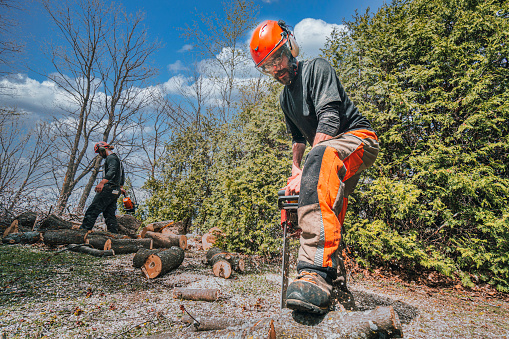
{"x":285,"y":75}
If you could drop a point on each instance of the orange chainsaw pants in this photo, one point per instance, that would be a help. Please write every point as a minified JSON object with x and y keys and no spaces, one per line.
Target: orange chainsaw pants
{"x":331,"y":172}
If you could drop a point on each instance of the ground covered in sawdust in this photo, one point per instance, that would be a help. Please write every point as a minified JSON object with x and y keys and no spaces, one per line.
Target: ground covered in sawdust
{"x":50,"y":294}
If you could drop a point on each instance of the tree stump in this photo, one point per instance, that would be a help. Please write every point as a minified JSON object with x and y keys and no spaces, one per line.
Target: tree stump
{"x":92,"y":251}
{"x":64,"y":237}
{"x":142,"y":255}
{"x":223,"y":262}
{"x":22,"y":238}
{"x":52,"y":222}
{"x":125,"y":246}
{"x":163,"y":262}
{"x":167,"y":240}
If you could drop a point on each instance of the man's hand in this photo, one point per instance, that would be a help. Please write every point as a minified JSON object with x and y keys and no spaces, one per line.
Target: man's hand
{"x":99,"y":187}
{"x":293,"y":186}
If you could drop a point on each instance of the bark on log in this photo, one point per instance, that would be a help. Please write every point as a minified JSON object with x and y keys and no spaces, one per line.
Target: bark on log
{"x":108,"y":234}
{"x":197,"y":294}
{"x":11,"y":229}
{"x":92,"y":251}
{"x":22,"y":238}
{"x":128,"y":225}
{"x":381,"y":322}
{"x":125,"y":246}
{"x":166,"y":240}
{"x":97,"y":241}
{"x":223,"y":262}
{"x":163,"y":262}
{"x":64,"y":237}
{"x":142,"y":255}
{"x":52,"y":222}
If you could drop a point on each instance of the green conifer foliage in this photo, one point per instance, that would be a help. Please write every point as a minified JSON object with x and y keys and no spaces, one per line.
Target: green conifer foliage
{"x":433,"y":78}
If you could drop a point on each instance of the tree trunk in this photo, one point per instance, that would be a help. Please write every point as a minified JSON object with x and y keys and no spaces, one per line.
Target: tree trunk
{"x":92,"y":251}
{"x":167,"y":240}
{"x":163,"y":262}
{"x":125,"y":246}
{"x":197,"y":294}
{"x":381,"y":322}
{"x":64,"y":237}
{"x":142,"y":255}
{"x":88,"y":187}
{"x":26,"y":221}
{"x":22,"y":238}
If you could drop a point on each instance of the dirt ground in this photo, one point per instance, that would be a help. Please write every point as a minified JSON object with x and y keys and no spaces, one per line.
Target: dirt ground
{"x":50,"y":294}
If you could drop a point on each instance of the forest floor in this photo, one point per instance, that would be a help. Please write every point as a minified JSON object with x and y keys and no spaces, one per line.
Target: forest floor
{"x":45,"y":293}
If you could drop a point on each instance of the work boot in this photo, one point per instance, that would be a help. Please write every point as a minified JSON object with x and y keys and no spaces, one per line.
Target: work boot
{"x":309,"y":292}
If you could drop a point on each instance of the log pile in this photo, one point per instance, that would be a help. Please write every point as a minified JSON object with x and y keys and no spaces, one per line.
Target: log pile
{"x":163,"y":235}
{"x":223,"y":263}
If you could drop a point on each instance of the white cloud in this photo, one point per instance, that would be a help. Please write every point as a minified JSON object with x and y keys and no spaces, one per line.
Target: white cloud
{"x":185,"y":48}
{"x":311,"y":35}
{"x":177,"y":66}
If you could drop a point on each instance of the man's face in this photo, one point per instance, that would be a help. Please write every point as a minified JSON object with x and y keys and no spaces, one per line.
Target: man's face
{"x":280,"y":68}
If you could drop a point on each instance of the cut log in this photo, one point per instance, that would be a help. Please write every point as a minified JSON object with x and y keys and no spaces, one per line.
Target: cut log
{"x":163,"y":262}
{"x":53,"y":222}
{"x":167,"y":240}
{"x":212,"y":324}
{"x":22,"y":238}
{"x":128,"y":225}
{"x":197,"y":294}
{"x":26,"y":221}
{"x":92,"y":251}
{"x":108,"y":234}
{"x":207,"y":241}
{"x":11,"y":229}
{"x":176,"y":227}
{"x":142,"y":255}
{"x":381,"y":322}
{"x":64,"y":237}
{"x":223,"y":262}
{"x":97,"y":241}
{"x":125,"y":246}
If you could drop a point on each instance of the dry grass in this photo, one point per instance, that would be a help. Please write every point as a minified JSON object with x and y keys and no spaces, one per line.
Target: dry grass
{"x":73,"y":295}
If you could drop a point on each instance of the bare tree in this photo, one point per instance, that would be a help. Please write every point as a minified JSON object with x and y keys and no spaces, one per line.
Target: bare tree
{"x":222,"y":40}
{"x":100,"y":68}
{"x":23,"y":155}
{"x":9,"y":46}
{"x":123,"y":71}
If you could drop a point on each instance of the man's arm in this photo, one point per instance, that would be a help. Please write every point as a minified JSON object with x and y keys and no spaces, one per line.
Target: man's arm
{"x":319,"y":137}
{"x":293,"y":186}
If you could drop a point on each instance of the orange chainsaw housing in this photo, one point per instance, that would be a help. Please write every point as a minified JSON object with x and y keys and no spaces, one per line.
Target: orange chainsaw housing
{"x":128,"y":204}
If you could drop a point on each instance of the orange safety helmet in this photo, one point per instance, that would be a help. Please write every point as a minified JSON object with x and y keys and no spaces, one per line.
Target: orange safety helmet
{"x":99,"y":145}
{"x":269,"y":39}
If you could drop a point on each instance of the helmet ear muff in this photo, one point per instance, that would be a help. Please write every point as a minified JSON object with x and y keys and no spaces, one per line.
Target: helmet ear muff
{"x":292,"y":43}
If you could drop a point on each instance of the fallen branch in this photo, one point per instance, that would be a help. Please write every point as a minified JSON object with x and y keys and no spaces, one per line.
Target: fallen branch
{"x":85,"y":248}
{"x":22,"y":238}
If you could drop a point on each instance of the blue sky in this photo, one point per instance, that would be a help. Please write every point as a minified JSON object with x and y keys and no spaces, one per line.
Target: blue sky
{"x":163,"y":18}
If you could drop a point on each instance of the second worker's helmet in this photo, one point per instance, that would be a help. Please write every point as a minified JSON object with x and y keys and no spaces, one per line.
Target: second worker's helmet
{"x":271,"y":39}
{"x":99,"y":145}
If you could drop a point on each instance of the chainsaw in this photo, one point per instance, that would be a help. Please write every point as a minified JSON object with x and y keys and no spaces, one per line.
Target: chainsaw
{"x":289,"y":222}
{"x":129,"y":205}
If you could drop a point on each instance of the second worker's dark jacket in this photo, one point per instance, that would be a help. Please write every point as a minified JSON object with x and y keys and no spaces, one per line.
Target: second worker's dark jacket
{"x":113,"y":171}
{"x":316,"y":102}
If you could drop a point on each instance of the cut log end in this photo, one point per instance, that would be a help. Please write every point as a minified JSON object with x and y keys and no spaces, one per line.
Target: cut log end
{"x":222,"y":269}
{"x":153,"y":266}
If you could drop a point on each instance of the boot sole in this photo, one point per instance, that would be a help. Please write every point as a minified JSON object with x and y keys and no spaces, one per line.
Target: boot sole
{"x":303,"y":306}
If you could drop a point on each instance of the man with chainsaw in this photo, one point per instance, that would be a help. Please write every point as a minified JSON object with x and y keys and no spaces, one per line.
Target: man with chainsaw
{"x":318,"y":111}
{"x":107,"y":191}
